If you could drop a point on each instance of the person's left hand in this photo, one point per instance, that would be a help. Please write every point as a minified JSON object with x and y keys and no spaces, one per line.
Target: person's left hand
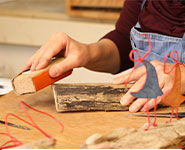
{"x":139,"y":76}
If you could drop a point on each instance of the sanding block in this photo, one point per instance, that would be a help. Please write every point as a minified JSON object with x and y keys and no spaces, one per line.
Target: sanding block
{"x":32,"y":81}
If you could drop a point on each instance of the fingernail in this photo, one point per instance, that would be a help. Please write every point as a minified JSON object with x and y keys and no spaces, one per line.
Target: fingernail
{"x":53,"y":73}
{"x":132,"y":109}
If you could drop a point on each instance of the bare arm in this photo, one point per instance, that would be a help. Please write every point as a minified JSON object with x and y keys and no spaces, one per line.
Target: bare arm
{"x":105,"y":57}
{"x":101,"y":56}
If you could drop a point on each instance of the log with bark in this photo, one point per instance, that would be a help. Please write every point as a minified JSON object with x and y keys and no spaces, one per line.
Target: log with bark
{"x":89,"y":97}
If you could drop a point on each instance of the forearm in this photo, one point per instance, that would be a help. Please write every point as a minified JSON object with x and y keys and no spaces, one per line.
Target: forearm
{"x":104,"y":56}
{"x":100,"y":56}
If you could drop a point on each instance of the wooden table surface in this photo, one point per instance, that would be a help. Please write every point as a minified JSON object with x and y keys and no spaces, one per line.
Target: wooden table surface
{"x":48,"y":9}
{"x":42,"y":9}
{"x":77,"y":126}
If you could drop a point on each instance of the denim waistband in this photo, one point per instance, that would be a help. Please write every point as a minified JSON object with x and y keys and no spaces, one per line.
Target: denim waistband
{"x":161,"y":45}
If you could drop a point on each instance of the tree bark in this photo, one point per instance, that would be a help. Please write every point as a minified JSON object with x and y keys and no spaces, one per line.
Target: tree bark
{"x":89,"y":97}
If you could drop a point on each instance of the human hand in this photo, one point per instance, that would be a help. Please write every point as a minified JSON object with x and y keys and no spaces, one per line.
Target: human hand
{"x":100,"y":56}
{"x":165,"y":83}
{"x":75,"y":53}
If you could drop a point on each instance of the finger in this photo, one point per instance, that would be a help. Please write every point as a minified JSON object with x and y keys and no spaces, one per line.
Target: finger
{"x":50,"y":49}
{"x":137,"y":105}
{"x":166,"y":89}
{"x":140,"y":103}
{"x":34,"y":65}
{"x":128,"y":98}
{"x":29,"y":62}
{"x":42,"y":63}
{"x":136,"y":74}
{"x":26,"y":67}
{"x":151,"y":103}
{"x":62,"y":67}
{"x":41,"y":59}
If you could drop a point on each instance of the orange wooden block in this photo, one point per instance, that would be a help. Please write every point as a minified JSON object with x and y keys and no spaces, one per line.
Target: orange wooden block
{"x":44,"y":79}
{"x":29,"y":82}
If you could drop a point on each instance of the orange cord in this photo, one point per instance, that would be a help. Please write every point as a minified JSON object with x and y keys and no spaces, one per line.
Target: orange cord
{"x":33,"y":124}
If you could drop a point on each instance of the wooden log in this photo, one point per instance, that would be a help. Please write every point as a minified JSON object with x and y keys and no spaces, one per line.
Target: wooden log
{"x":89,"y":97}
{"x":164,"y":136}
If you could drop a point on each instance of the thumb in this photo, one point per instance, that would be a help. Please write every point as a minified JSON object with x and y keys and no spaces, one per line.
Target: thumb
{"x":60,"y":68}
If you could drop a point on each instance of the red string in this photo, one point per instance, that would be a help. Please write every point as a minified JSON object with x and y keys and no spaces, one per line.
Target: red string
{"x":33,"y":124}
{"x":173,"y":67}
{"x":148,"y":115}
{"x":176,"y":60}
{"x":172,"y":113}
{"x":13,"y":140}
{"x":155,"y":107}
{"x":9,"y":146}
{"x":177,"y":114}
{"x":139,"y":60}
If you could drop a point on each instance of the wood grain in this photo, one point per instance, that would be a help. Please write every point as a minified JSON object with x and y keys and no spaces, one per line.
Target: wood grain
{"x":77,"y":126}
{"x":89,"y":97}
{"x":97,"y":3}
{"x":96,"y":9}
{"x":47,"y":9}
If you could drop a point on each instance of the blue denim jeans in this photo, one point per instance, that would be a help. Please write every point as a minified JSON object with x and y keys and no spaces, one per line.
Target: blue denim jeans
{"x":161,"y":45}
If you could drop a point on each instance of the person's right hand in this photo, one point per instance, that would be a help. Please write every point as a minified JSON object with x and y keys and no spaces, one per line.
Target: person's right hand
{"x":101,"y":56}
{"x":76,"y":55}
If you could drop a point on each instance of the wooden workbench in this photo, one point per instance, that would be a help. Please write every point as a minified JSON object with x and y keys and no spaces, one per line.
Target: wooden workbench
{"x":34,"y":9}
{"x":42,"y":9}
{"x":78,"y":126}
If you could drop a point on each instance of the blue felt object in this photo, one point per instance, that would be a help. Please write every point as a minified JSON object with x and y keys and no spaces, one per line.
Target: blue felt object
{"x":151,"y":87}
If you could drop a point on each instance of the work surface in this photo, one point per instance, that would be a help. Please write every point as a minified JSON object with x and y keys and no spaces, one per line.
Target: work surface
{"x":34,"y":8}
{"x":77,"y":126}
{"x":41,"y":9}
